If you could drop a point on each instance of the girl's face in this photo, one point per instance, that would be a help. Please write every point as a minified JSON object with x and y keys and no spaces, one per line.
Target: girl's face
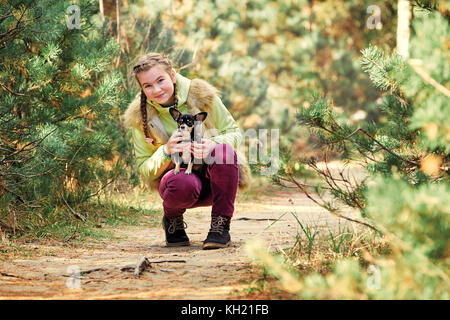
{"x":158,"y":85}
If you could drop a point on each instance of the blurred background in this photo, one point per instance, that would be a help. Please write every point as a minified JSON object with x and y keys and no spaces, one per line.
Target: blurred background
{"x":266,"y":57}
{"x":66,"y":77}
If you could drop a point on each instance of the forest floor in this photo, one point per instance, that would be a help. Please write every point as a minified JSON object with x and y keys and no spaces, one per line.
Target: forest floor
{"x":93,"y":269}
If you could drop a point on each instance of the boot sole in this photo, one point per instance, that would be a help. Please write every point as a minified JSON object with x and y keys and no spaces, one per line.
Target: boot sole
{"x":214,"y":245}
{"x":178,"y":244}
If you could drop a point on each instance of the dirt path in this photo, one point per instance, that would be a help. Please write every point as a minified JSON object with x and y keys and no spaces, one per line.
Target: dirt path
{"x":188,"y":273}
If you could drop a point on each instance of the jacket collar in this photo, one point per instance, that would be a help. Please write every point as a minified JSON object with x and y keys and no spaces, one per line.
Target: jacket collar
{"x":183,"y":85}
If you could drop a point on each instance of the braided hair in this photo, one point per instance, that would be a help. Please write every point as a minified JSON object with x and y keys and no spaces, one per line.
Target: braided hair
{"x":145,"y":63}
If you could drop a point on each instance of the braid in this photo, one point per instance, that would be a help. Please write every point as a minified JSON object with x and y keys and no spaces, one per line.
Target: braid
{"x":175,"y":102}
{"x":144,"y":113}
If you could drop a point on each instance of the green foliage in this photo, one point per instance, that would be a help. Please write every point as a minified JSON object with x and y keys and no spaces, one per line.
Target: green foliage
{"x":61,"y":141}
{"x":431,"y":113}
{"x":407,"y":190}
{"x":416,"y":216}
{"x":309,"y":233}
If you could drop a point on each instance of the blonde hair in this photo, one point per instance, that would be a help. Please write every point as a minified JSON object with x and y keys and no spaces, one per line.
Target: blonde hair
{"x":146,"y":62}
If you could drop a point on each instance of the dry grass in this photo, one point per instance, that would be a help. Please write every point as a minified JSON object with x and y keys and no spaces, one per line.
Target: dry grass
{"x":315,"y":251}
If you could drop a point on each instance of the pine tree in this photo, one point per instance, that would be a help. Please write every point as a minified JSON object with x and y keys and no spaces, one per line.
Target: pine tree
{"x":60,"y":139}
{"x":405,"y":195}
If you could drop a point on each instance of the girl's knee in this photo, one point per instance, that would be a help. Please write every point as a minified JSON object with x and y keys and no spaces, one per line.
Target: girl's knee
{"x":223,"y":153}
{"x":181,"y":188}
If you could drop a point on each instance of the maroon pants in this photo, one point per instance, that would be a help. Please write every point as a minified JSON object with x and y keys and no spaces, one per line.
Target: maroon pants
{"x":215,"y":185}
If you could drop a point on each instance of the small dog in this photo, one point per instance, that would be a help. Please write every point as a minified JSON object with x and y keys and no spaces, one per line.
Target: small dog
{"x":189,"y":125}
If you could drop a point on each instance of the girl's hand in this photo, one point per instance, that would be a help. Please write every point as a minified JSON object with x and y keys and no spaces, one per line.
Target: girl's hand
{"x":202,"y":150}
{"x":173,"y":146}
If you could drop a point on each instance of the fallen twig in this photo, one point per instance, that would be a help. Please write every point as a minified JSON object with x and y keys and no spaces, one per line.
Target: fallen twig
{"x":91,"y":270}
{"x":12,"y":275}
{"x":256,"y":219}
{"x":163,"y":261}
{"x":142,"y":264}
{"x":75,"y":214}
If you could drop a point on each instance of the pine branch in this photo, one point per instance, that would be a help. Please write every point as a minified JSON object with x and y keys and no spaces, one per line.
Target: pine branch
{"x":29,"y":144}
{"x":4,"y":17}
{"x":8,"y":173}
{"x":331,"y":181}
{"x":382,"y":147}
{"x":10,"y":91}
{"x":303,"y":184}
{"x":416,"y":65}
{"x":343,"y":138}
{"x":104,"y":186}
{"x":389,"y":83}
{"x":331,"y":210}
{"x":13,"y":32}
{"x":13,"y":193}
{"x":75,"y":214}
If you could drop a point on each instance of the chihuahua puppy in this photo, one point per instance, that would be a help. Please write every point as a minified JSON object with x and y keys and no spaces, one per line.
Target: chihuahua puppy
{"x":189,"y":125}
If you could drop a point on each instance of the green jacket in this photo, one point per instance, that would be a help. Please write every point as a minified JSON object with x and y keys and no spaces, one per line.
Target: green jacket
{"x":193,"y":96}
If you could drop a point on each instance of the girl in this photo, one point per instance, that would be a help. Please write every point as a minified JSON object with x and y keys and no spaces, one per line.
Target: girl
{"x":156,"y":138}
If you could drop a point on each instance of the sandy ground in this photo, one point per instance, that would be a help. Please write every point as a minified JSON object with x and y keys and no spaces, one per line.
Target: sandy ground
{"x":175,"y":273}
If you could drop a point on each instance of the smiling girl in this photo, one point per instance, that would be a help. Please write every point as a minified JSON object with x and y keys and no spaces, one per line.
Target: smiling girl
{"x":156,"y":138}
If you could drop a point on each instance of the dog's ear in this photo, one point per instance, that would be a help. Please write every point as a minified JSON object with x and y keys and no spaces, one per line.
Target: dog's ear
{"x":200,"y":116}
{"x":174,"y":113}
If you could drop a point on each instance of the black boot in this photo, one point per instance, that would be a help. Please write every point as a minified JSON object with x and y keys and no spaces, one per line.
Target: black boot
{"x":219,"y":234}
{"x":175,"y":234}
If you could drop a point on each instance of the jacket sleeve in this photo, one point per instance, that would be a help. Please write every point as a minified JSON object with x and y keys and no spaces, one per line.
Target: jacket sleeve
{"x":150,"y":160}
{"x":227,"y":128}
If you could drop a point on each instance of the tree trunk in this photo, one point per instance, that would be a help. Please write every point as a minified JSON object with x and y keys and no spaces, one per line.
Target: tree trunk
{"x":118,"y":19}
{"x":102,"y":10}
{"x":404,"y":16}
{"x":118,"y":30}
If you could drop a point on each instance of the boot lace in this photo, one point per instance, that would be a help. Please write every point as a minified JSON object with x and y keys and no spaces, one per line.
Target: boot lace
{"x":217,"y":224}
{"x":176,"y":224}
